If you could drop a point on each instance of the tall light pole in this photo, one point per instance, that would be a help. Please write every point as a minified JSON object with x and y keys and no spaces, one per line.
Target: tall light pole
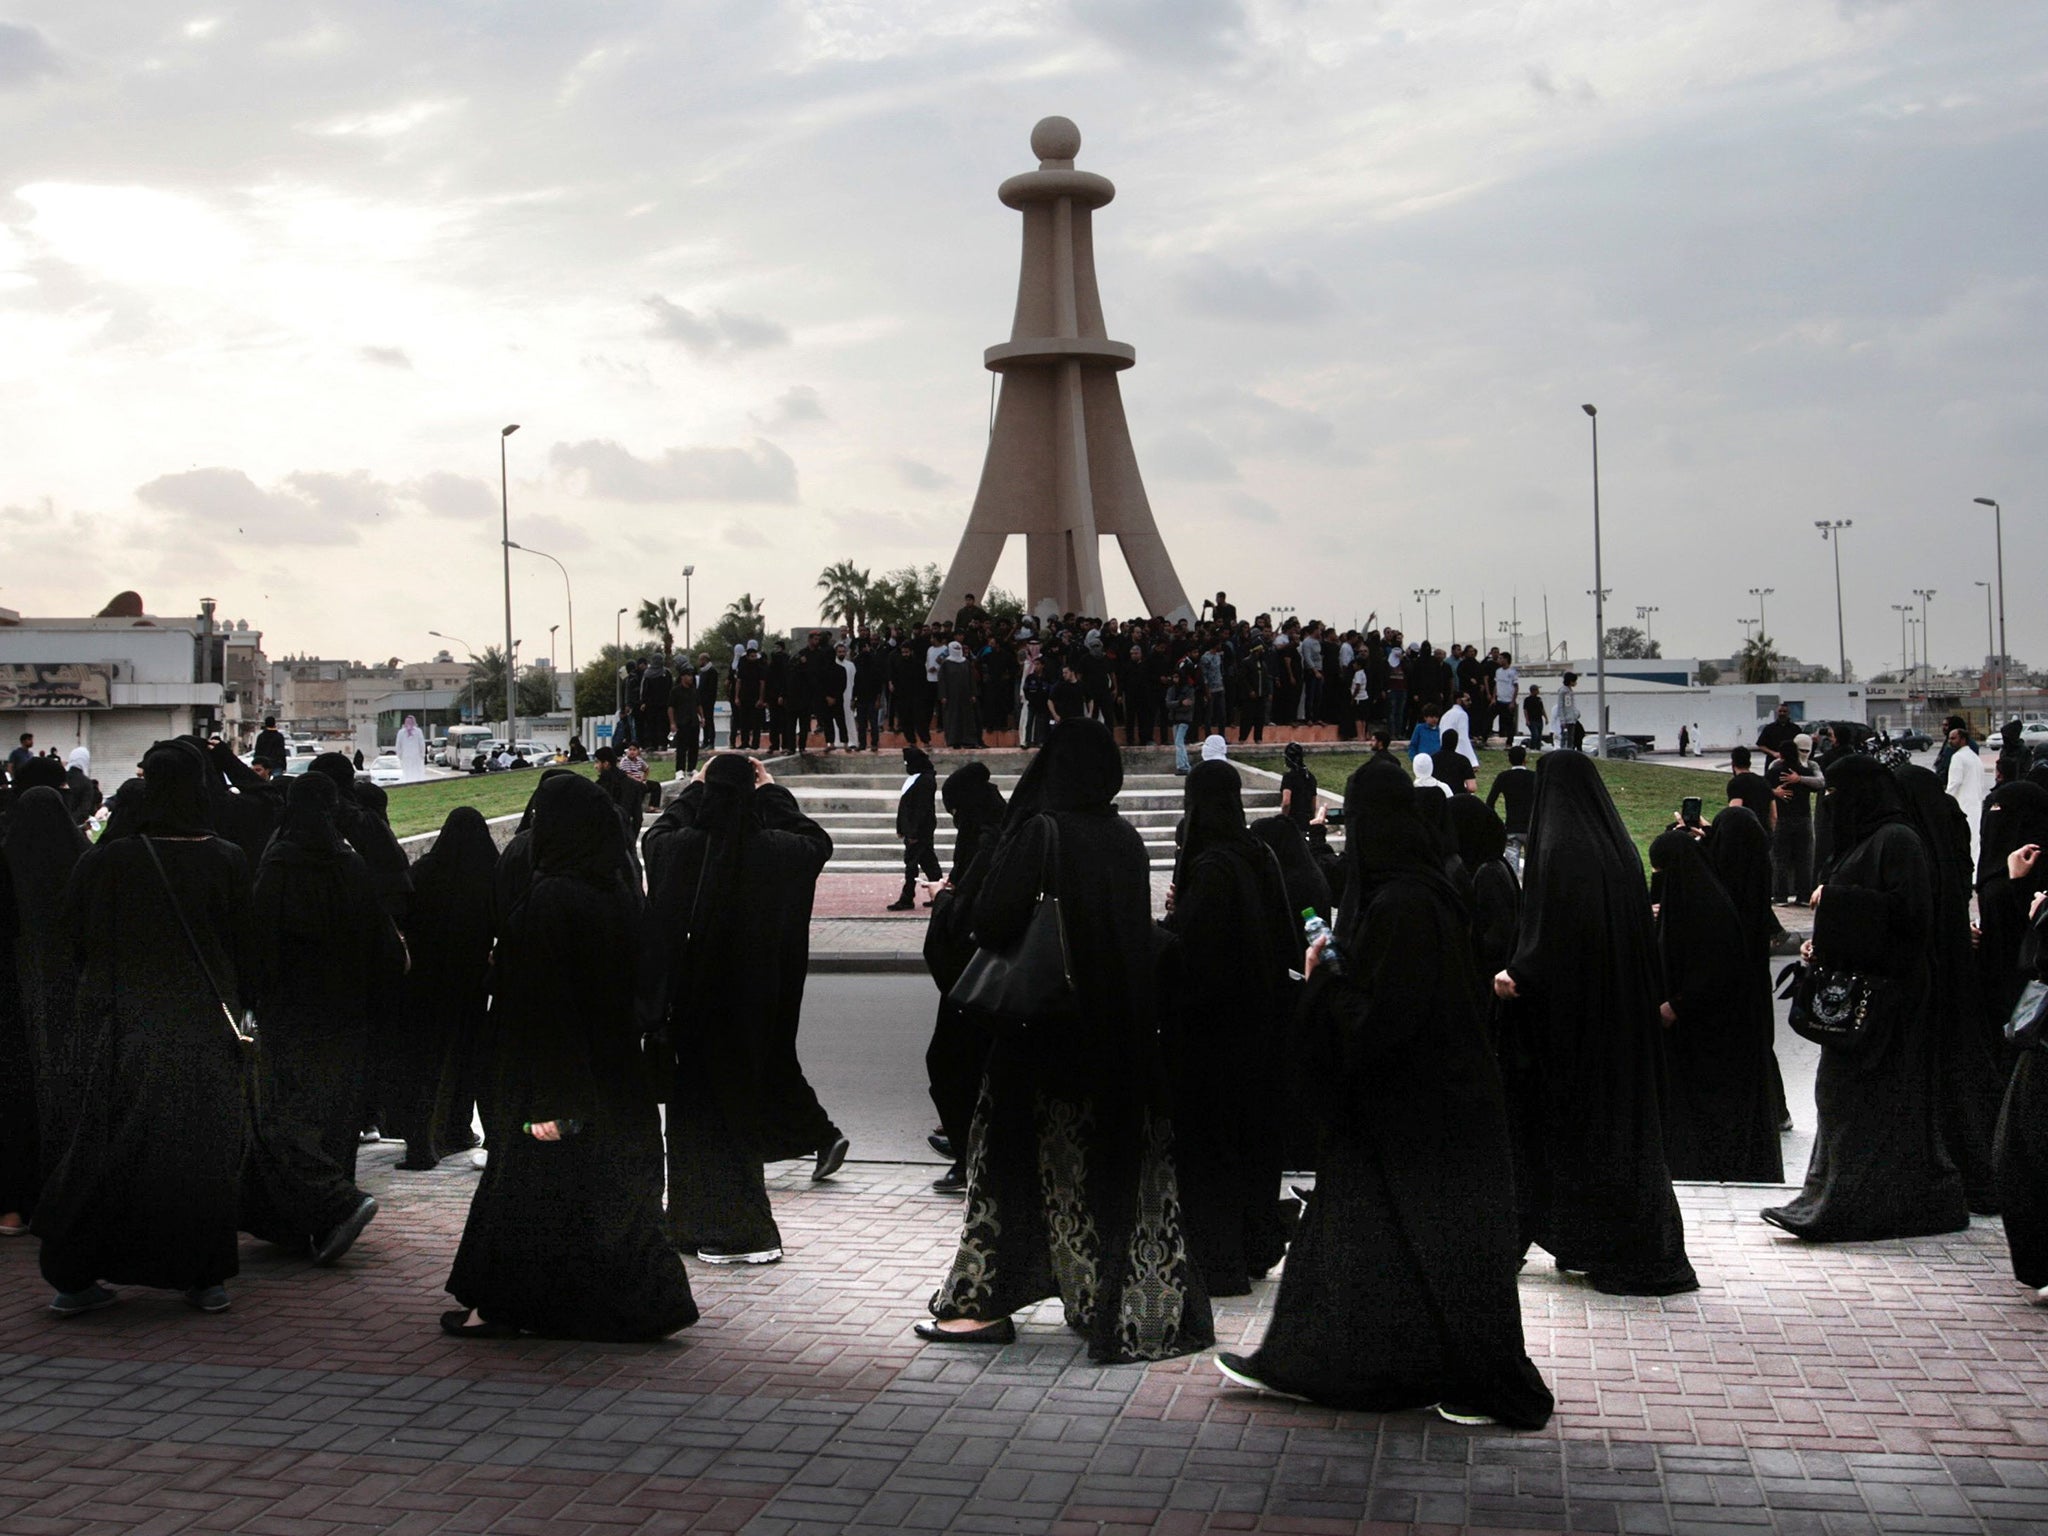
{"x":1989,"y":640}
{"x":1599,"y":592}
{"x":1925,"y":594}
{"x":1643,"y":612}
{"x":569,"y":593}
{"x":1905,"y":661}
{"x":505,"y":542}
{"x":619,"y":632}
{"x":1422,"y":596}
{"x":688,"y":572}
{"x":1998,"y":523}
{"x":1763,"y":630}
{"x":619,"y":649}
{"x":467,"y":647}
{"x":1834,"y":529}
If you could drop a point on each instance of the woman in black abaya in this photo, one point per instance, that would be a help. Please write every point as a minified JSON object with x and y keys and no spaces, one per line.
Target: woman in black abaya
{"x":564,"y":1234}
{"x":1071,"y":1186}
{"x":959,"y":1046}
{"x":1495,"y":895}
{"x":1594,"y":1187}
{"x":1738,"y":851}
{"x":323,"y":955}
{"x":1399,"y":1290}
{"x":1972,"y":1083}
{"x":732,"y":868}
{"x":917,"y":823}
{"x":1305,"y":866}
{"x":2022,"y":1147}
{"x":429,"y":1065}
{"x":146,"y":1193}
{"x":358,"y":816}
{"x":43,"y":846}
{"x":1719,"y":1124}
{"x":21,"y":1169}
{"x":1879,"y":1169}
{"x":1228,"y":1008}
{"x":2014,"y":816}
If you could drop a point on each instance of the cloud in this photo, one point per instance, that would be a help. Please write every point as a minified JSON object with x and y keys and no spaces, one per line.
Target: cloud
{"x":1291,"y":295}
{"x":608,"y":471}
{"x":1180,"y":31}
{"x":450,"y":495}
{"x":217,"y":499}
{"x":921,"y":477}
{"x":1189,"y":454}
{"x":798,"y":406}
{"x":350,"y":498}
{"x":1544,"y":83}
{"x":864,"y":528}
{"x":25,"y":56}
{"x":558,"y":536}
{"x":1250,"y":509}
{"x":717,"y":332}
{"x":388,"y":357}
{"x":743,"y":535}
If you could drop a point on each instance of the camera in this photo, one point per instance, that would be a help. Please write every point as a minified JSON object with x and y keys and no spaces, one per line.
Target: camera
{"x":1689,"y":810}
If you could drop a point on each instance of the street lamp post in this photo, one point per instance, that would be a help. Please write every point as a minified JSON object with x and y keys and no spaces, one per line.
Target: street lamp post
{"x":569,"y":593}
{"x":1989,"y":639}
{"x":1599,"y":592}
{"x":1643,"y":612}
{"x":1834,"y":529}
{"x":1422,"y":596}
{"x":1925,"y":594}
{"x":688,"y":572}
{"x":1905,"y":660}
{"x":1763,"y":630}
{"x":1998,"y":524}
{"x":467,"y":688}
{"x":505,"y":543}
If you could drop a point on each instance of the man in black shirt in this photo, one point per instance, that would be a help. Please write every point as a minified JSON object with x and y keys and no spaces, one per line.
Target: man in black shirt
{"x":1747,"y":788}
{"x":270,"y":741}
{"x":1777,"y":734}
{"x":1515,"y":785}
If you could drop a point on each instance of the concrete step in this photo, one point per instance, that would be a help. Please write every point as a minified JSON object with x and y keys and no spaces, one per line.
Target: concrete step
{"x":821,"y":800}
{"x":1140,"y":817}
{"x":893,"y":782}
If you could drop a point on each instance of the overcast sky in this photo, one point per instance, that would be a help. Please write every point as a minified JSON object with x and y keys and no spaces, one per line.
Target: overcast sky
{"x":273,"y":275}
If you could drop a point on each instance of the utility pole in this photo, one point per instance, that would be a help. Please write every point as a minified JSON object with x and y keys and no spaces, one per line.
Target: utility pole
{"x":1599,"y":593}
{"x":505,"y":545}
{"x":1841,"y":645}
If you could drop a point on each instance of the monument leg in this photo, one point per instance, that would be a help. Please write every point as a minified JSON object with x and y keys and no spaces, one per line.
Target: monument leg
{"x":1152,"y":568}
{"x":1076,"y":498}
{"x":974,"y":563}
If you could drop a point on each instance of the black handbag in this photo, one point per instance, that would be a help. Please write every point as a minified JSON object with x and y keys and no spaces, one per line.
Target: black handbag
{"x":2029,"y":1018}
{"x":1032,"y":980}
{"x":1843,"y":1009}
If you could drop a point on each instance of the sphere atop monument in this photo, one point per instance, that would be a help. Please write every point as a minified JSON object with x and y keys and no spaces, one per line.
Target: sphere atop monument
{"x":1056,"y":138}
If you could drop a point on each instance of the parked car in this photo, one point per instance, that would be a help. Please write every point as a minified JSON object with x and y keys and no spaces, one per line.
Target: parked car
{"x":384,"y":770}
{"x":1621,"y":747}
{"x":1911,"y":740}
{"x":2034,"y":733}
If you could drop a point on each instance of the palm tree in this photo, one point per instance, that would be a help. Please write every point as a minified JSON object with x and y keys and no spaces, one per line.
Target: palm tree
{"x":659,"y":616}
{"x":1760,"y":659}
{"x":846,"y":589}
{"x":743,"y":616}
{"x":484,"y":693}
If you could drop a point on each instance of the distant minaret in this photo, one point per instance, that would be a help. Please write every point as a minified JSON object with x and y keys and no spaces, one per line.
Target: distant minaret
{"x":1060,"y":469}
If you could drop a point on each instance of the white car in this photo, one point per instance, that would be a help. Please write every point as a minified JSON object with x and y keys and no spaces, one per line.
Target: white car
{"x":2034,"y":733}
{"x":384,"y":770}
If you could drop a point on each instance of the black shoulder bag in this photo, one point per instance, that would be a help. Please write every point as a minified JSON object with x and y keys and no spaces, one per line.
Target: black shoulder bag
{"x":1032,"y":980}
{"x":1847,"y":1010}
{"x":2029,"y":1020}
{"x":243,"y":1038}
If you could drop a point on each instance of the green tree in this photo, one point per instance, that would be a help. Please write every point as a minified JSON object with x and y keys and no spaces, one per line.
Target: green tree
{"x":1003,"y":604}
{"x":742,"y":621}
{"x":597,"y":684}
{"x":484,"y":694}
{"x":846,"y":588}
{"x":1627,"y":643}
{"x":904,"y":596}
{"x":1760,"y":659}
{"x":660,"y":617}
{"x":1709,"y":674}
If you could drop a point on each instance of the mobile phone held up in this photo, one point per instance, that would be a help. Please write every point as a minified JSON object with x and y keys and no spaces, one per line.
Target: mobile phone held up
{"x":1689,"y":810}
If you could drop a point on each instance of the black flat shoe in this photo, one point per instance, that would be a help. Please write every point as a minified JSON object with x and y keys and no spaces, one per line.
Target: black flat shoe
{"x":1001,"y":1331}
{"x":830,"y":1160}
{"x":952,"y":1182}
{"x":346,"y":1231}
{"x":939,"y":1143}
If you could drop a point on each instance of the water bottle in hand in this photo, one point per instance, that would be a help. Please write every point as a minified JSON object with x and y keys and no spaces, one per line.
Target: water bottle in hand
{"x":1313,"y":928}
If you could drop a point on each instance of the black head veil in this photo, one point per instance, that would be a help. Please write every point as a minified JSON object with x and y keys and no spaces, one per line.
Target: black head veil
{"x":1862,"y":797}
{"x":576,"y":833}
{"x":1084,"y":766}
{"x":1213,"y":815}
{"x":43,"y":843}
{"x":1480,"y":834}
{"x":173,"y":800}
{"x":2015,"y":815}
{"x":1738,"y":850}
{"x":1386,"y":838}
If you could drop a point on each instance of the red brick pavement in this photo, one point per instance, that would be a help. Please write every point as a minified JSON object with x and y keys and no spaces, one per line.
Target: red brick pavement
{"x":1823,"y":1382}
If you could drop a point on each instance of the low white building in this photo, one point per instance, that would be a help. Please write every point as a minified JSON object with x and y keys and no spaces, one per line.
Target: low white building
{"x":1716,"y":717}
{"x":113,"y":683}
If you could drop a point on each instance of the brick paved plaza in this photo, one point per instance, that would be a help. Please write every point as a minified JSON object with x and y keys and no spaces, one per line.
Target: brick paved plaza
{"x":1882,"y":1387}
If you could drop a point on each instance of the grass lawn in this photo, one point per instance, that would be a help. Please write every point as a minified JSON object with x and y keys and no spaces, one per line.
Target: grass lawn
{"x":419,"y":808}
{"x":1646,"y":794}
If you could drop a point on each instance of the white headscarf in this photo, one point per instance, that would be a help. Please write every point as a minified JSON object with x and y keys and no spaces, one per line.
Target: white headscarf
{"x":1214,"y":748}
{"x":955,"y":651}
{"x":80,"y":759}
{"x":1425,"y":774}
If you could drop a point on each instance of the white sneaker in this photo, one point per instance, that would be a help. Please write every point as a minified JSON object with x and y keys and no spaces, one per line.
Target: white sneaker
{"x":480,"y":1158}
{"x":763,"y":1256}
{"x":1452,"y":1415}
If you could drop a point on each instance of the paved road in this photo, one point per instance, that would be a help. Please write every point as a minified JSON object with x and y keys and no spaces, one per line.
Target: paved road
{"x":863,"y":1040}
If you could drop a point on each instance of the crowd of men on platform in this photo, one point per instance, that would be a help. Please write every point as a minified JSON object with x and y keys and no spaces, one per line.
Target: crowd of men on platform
{"x":1156,"y":681}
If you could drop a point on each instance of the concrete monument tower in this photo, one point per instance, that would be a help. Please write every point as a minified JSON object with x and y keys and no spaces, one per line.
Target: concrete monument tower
{"x":1060,"y":468}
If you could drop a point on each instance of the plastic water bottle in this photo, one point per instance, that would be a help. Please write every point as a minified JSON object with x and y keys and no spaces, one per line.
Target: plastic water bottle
{"x":1313,"y":928}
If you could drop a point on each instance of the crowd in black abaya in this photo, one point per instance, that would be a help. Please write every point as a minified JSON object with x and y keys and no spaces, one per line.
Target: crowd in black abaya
{"x":200,"y":1012}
